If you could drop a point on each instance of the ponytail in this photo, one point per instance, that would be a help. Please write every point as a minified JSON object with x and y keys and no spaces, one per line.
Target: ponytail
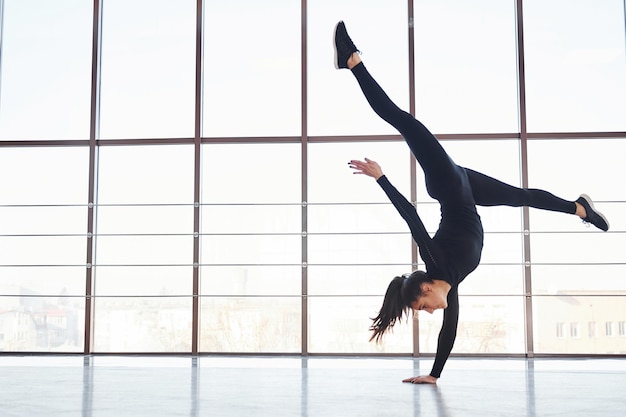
{"x":400,"y":294}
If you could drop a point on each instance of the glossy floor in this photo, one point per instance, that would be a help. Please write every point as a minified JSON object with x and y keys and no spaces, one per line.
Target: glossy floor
{"x":116,"y":386}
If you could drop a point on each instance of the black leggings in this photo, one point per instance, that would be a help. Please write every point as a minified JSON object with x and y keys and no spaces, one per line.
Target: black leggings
{"x":446,"y":181}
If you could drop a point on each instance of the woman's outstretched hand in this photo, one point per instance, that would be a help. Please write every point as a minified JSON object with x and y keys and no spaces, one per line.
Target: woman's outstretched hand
{"x":425,"y":379}
{"x":367,"y":167}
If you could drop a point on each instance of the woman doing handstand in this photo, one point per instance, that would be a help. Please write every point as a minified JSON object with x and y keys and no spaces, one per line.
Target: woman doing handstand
{"x":455,"y":249}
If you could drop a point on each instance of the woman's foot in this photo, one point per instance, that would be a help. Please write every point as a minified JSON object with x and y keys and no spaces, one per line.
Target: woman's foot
{"x":345,"y":51}
{"x":586,"y":211}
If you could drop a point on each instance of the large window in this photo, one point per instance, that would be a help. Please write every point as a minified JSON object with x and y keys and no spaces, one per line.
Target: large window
{"x":148,"y":69}
{"x":143,"y":249}
{"x":465,"y":69}
{"x":335,"y":106}
{"x":575,"y":65}
{"x":252,"y":61}
{"x":43,"y":215}
{"x":251,"y":248}
{"x":356,"y":245}
{"x":174,"y":179}
{"x":46,"y":69}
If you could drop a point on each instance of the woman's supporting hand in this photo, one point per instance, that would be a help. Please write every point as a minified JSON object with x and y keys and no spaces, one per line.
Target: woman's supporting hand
{"x":424,"y":379}
{"x":367,"y":167}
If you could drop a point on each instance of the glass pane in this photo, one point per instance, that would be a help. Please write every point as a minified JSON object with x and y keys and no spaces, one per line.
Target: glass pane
{"x":43,"y":220}
{"x":145,"y":220}
{"x":355,"y":218}
{"x":579,"y":279}
{"x":486,"y":325}
{"x":500,"y":248}
{"x":143,"y":280}
{"x":251,"y":173}
{"x":251,"y":219}
{"x":252,"y":66}
{"x":251,"y":325}
{"x":42,"y":324}
{"x":146,"y":175}
{"x":144,"y":250}
{"x":602,"y":160}
{"x":360,"y":249}
{"x":466,"y":66}
{"x":251,"y":280}
{"x":43,"y":250}
{"x":263,"y":249}
{"x":133,"y":324}
{"x":336,"y":105}
{"x":340,"y":325}
{"x":578,"y":248}
{"x":348,"y":280}
{"x":148,"y":69}
{"x":595,"y":321}
{"x":330,"y":180}
{"x":494,"y":280}
{"x":46,"y":70}
{"x":430,"y":213}
{"x":44,"y":175}
{"x":602,"y":166}
{"x":42,"y":280}
{"x":575,"y":64}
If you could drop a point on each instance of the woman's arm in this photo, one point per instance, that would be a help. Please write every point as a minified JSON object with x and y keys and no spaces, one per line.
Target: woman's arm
{"x":407,"y":211}
{"x":404,"y":207}
{"x":447,"y":335}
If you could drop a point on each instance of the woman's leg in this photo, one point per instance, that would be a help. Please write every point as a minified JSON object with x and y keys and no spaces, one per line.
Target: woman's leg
{"x":444,"y":179}
{"x":489,"y":191}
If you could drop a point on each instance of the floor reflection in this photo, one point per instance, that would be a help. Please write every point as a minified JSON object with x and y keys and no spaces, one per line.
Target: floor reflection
{"x":294,"y":386}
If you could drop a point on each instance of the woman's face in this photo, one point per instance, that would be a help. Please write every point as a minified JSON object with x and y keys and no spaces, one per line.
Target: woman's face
{"x":430,"y":299}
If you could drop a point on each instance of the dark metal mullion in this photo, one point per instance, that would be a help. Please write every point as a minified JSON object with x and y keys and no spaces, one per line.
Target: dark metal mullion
{"x":304,"y":156}
{"x":195,"y":321}
{"x":413,"y":175}
{"x":528,"y":302}
{"x":93,"y":133}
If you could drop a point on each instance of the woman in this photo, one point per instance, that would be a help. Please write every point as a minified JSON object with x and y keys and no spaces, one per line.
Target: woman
{"x":455,"y":250}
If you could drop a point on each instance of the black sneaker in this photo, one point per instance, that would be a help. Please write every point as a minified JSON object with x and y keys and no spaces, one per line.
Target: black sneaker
{"x":344,"y":47}
{"x":593,"y":216}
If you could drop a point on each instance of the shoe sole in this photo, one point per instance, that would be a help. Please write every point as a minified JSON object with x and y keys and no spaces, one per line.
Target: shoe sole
{"x":335,"y":46}
{"x":590,"y":202}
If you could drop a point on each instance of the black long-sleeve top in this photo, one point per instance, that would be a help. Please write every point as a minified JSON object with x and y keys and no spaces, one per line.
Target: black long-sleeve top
{"x":452,"y":254}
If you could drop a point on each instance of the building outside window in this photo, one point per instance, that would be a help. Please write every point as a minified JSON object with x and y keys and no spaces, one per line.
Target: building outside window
{"x":592,"y":329}
{"x":609,"y":329}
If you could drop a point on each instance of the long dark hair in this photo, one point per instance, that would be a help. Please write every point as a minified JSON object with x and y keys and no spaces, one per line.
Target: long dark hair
{"x":401,"y":292}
